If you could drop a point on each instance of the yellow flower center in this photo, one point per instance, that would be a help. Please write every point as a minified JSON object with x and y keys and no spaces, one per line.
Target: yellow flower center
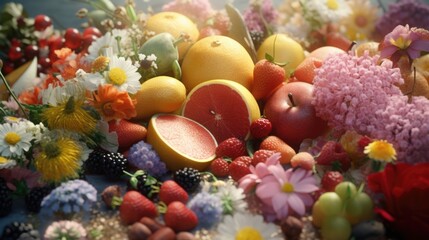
{"x":332,"y":4}
{"x":381,"y":150}
{"x":3,"y":160}
{"x":99,"y":64}
{"x":12,"y":138}
{"x":52,"y":150}
{"x":12,"y":119}
{"x":400,"y":42}
{"x":117,"y":76}
{"x":288,"y":188}
{"x":248,"y":233}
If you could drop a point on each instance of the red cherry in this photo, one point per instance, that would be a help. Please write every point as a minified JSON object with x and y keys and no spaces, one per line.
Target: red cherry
{"x":41,"y":22}
{"x":31,"y":51}
{"x":55,"y":43}
{"x":92,"y":31}
{"x":8,"y":67}
{"x":72,"y":38}
{"x":45,"y":62}
{"x":87,"y":41}
{"x":15,"y":53}
{"x":15,"y":42}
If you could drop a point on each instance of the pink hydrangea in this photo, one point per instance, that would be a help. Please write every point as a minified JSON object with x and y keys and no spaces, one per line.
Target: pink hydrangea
{"x":256,"y":11}
{"x":197,"y":10}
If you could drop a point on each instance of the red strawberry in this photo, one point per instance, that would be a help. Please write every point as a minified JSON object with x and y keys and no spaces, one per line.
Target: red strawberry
{"x":134,"y":206}
{"x":238,"y":169}
{"x":334,"y":155}
{"x":129,"y":133}
{"x":231,"y":148}
{"x":261,"y":155}
{"x":331,"y":179}
{"x":267,"y":76}
{"x":276,"y":144}
{"x":179,"y":217}
{"x":304,"y":72}
{"x":260,"y":128}
{"x":246,"y":159}
{"x":170,"y":191}
{"x":219,"y":167}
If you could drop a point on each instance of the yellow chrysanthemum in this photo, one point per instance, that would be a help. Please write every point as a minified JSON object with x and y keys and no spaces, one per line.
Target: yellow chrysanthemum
{"x":70,"y":116}
{"x":360,"y":24}
{"x":381,"y":150}
{"x":60,"y":159}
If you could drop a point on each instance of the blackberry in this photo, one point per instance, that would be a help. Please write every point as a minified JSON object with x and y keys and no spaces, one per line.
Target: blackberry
{"x":20,"y":231}
{"x":94,"y":163}
{"x":5,"y":199}
{"x":143,"y":183}
{"x":34,"y":198}
{"x":257,"y":38}
{"x":188,"y":178}
{"x":114,"y":165}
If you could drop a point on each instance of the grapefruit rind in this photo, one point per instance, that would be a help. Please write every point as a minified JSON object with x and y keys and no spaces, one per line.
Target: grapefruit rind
{"x":247,"y":97}
{"x":169,"y":154}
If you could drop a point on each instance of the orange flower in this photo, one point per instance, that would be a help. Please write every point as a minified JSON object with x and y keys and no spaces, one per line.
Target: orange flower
{"x":31,"y":97}
{"x":113,"y":104}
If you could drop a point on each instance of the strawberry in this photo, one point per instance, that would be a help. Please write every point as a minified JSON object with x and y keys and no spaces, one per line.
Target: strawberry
{"x":330,"y":180}
{"x":170,"y":191}
{"x":246,"y":159}
{"x":276,"y":144}
{"x":238,"y":169}
{"x":261,"y":155}
{"x":179,"y":217}
{"x":231,"y":148}
{"x":219,"y":167}
{"x":134,"y":206}
{"x":267,"y":76}
{"x":260,"y":128}
{"x":303,"y":160}
{"x":304,"y":72}
{"x":334,"y":155}
{"x":128,"y":133}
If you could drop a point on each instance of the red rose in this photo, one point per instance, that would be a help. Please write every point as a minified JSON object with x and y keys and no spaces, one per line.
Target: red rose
{"x":405,"y":190}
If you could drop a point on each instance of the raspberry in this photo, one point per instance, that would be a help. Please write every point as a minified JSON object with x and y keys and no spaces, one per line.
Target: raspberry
{"x":246,"y":159}
{"x":260,"y":128}
{"x":334,"y":155}
{"x":261,"y":155}
{"x":231,"y":148}
{"x":238,"y":169}
{"x":330,"y":180}
{"x":219,"y":167}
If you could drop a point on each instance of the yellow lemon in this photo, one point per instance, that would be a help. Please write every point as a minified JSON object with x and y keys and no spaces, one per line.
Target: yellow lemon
{"x":217,"y":57}
{"x":162,"y":94}
{"x":284,"y":50}
{"x":175,"y":24}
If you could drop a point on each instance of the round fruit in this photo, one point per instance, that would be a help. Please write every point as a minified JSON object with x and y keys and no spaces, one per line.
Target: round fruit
{"x":160,"y":94}
{"x":41,"y":22}
{"x":181,"y":142}
{"x":331,"y":204}
{"x":224,"y":107}
{"x":176,"y":24}
{"x":317,"y":214}
{"x":73,"y":39}
{"x":286,"y":50}
{"x":359,"y":208}
{"x":336,"y":228}
{"x":322,"y":53}
{"x":371,"y":47}
{"x":217,"y":57}
{"x":346,"y":190}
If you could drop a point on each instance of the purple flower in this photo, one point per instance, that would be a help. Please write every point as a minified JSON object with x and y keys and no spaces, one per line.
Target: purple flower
{"x":197,"y":10}
{"x":208,"y":208}
{"x":255,"y":15}
{"x":143,"y":156}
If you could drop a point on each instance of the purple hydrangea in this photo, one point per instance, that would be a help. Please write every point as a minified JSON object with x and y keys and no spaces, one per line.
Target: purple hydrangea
{"x":70,"y":197}
{"x":197,"y":10}
{"x":252,"y":16}
{"x":412,"y":12}
{"x":208,"y":209}
{"x":142,"y":156}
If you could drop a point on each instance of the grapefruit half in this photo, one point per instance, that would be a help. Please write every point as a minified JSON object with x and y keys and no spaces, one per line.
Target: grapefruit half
{"x":181,"y":142}
{"x":226,"y":108}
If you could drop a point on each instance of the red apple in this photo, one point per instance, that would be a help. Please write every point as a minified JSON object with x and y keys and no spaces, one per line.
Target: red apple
{"x":292,"y":115}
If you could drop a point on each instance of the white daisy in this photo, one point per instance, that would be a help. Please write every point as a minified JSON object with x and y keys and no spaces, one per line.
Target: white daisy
{"x":327,"y":10}
{"x":232,"y":198}
{"x":123,"y":75}
{"x":247,"y":226}
{"x":108,"y":40}
{"x":14,"y":140}
{"x":6,"y":163}
{"x":54,"y":95}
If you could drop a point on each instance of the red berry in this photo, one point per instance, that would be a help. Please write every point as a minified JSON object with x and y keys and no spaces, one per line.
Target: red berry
{"x":334,"y":155}
{"x":15,"y":53}
{"x":92,"y":31}
{"x":8,"y":67}
{"x":170,"y":191}
{"x":55,"y":43}
{"x":179,"y":217}
{"x":260,"y":128}
{"x":246,"y":159}
{"x":238,"y":169}
{"x":31,"y":51}
{"x":219,"y":167}
{"x":231,"y":148}
{"x":87,"y":41}
{"x":72,"y":38}
{"x":41,"y":22}
{"x":330,"y":180}
{"x":261,"y":155}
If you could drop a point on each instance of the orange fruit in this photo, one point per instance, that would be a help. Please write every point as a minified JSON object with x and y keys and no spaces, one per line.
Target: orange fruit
{"x":162,"y":94}
{"x":217,"y":57}
{"x":286,"y":50}
{"x":181,"y":142}
{"x":274,"y":143}
{"x":305,"y":70}
{"x":175,"y":24}
{"x":224,"y":107}
{"x":322,"y":53}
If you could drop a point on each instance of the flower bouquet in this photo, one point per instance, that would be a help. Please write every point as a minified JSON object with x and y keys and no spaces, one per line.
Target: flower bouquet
{"x":296,"y":120}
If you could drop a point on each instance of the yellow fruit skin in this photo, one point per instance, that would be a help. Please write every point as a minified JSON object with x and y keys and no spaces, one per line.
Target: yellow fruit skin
{"x":175,"y":24}
{"x":172,"y":158}
{"x":162,"y":94}
{"x":217,"y":57}
{"x":287,"y":51}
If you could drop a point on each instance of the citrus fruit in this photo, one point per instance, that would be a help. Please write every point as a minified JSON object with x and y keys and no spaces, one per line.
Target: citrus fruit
{"x":304,"y":72}
{"x":284,"y":50}
{"x":162,"y":94}
{"x":217,"y":57}
{"x":181,"y":142}
{"x":175,"y":24}
{"x":224,"y":107}
{"x":323,"y":52}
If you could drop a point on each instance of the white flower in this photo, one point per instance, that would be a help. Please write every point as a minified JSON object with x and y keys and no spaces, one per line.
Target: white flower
{"x":123,"y":75}
{"x":232,"y":198}
{"x":54,"y":95}
{"x":247,"y":226}
{"x":14,"y":139}
{"x":6,"y":163}
{"x":109,"y":40}
{"x":327,"y":10}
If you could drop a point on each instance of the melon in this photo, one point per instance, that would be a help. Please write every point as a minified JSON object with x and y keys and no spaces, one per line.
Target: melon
{"x":181,"y":142}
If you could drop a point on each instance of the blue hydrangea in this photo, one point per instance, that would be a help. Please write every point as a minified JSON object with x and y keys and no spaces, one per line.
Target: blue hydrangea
{"x":144,"y":157}
{"x":208,"y":209}
{"x":70,"y":197}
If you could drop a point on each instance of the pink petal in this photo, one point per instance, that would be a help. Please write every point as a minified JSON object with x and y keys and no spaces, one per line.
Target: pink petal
{"x":248,"y":182}
{"x":267,"y":189}
{"x":261,"y":170}
{"x":388,"y":51}
{"x":278,"y":172}
{"x":296,"y":204}
{"x":305,"y":188}
{"x":273,"y":159}
{"x":297,"y":175}
{"x":280,"y":206}
{"x":307,"y":199}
